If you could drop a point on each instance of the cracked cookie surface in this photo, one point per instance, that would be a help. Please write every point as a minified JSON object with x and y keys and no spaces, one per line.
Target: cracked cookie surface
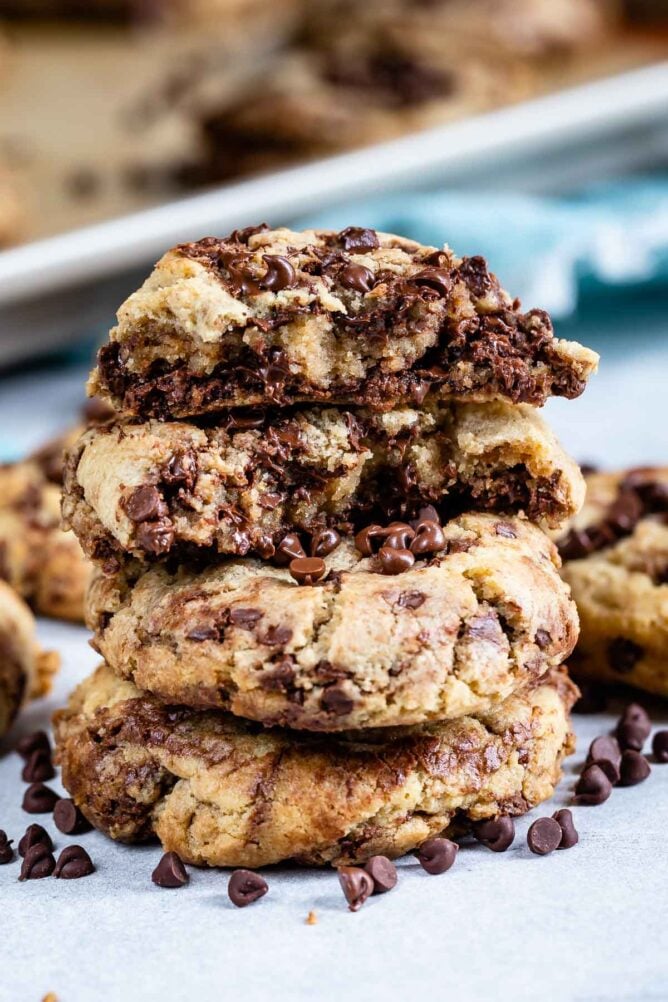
{"x":457,"y":632}
{"x":223,"y":792}
{"x":268,"y":317}
{"x":25,"y":670}
{"x":171,"y":488}
{"x":615,"y":556}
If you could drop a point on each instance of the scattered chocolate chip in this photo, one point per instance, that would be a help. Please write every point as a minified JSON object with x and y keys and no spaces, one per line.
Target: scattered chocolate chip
{"x":357,"y":277}
{"x":32,"y":743}
{"x":277,"y":636}
{"x":38,"y":862}
{"x":505,"y":530}
{"x":543,"y":639}
{"x":34,"y":835}
{"x":335,"y":700}
{"x":634,"y":768}
{"x":437,"y":855}
{"x":623,"y":655}
{"x":429,"y":538}
{"x":365,"y":537}
{"x":73,"y":862}
{"x":593,"y":786}
{"x":245,"y":618}
{"x":544,"y":836}
{"x":435,"y":278}
{"x":605,"y":752}
{"x":6,"y":851}
{"x":355,"y":239}
{"x":569,"y":836}
{"x":394,"y":561}
{"x":279,"y":274}
{"x":38,"y":767}
{"x":634,"y":727}
{"x":660,"y":746}
{"x":411,"y":599}
{"x":498,"y":834}
{"x":201,"y":633}
{"x":356,"y":885}
{"x":144,"y":504}
{"x":307,"y":570}
{"x":325,"y":542}
{"x":39,"y":799}
{"x":170,"y":871}
{"x":245,"y":887}
{"x":180,"y":470}
{"x":155,"y":537}
{"x":68,"y":818}
{"x":383,"y":872}
{"x":289,"y":548}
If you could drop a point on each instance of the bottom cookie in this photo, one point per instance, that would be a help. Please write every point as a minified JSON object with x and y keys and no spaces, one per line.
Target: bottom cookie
{"x":223,"y":792}
{"x":25,"y":670}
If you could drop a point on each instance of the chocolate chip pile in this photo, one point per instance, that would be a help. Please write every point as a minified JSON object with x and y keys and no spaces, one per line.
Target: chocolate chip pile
{"x":309,"y":570}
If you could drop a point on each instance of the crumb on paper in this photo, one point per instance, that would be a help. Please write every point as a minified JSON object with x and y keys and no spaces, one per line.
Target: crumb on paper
{"x":50,"y":997}
{"x":311,"y":918}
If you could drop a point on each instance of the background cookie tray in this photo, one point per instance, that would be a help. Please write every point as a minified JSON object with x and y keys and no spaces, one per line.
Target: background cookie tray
{"x":53,"y":291}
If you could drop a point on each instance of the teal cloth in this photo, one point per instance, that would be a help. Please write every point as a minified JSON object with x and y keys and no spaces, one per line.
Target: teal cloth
{"x":555,"y":253}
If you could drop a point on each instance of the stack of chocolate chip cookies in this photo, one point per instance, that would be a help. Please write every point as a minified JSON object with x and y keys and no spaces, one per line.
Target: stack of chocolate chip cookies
{"x":331,"y":615}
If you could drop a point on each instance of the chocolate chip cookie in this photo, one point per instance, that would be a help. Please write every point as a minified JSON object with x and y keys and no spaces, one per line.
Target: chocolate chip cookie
{"x":275,"y":317}
{"x":410,"y":624}
{"x":25,"y":670}
{"x":616,"y":561}
{"x":222,"y":792}
{"x":44,"y":564}
{"x":170,"y":488}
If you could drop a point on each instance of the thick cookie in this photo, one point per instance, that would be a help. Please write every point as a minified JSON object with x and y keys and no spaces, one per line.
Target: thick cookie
{"x":25,"y":670}
{"x":274,"y":317}
{"x":222,"y":792}
{"x":170,"y":488}
{"x":45,"y":565}
{"x":480,"y":614}
{"x":616,"y":562}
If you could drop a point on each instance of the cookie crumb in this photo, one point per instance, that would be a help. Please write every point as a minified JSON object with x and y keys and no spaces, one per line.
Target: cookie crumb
{"x":50,"y":997}
{"x":311,"y":919}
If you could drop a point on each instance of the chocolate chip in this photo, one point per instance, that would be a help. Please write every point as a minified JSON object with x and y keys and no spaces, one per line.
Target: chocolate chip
{"x":394,"y":561}
{"x":307,"y":570}
{"x":437,"y":855}
{"x":355,"y":239}
{"x":383,"y":872}
{"x":356,"y":885}
{"x":202,"y":633}
{"x":634,"y":768}
{"x":32,"y":743}
{"x":505,"y":530}
{"x":660,"y":746}
{"x":429,"y":538}
{"x":544,"y":836}
{"x":634,"y":727}
{"x":365,"y":537}
{"x":74,"y":862}
{"x":245,"y":887}
{"x":623,"y":655}
{"x":434,"y":278}
{"x":38,"y":862}
{"x":279,"y":274}
{"x":170,"y":871}
{"x":144,"y":504}
{"x":543,"y":639}
{"x":411,"y":599}
{"x":180,"y":470}
{"x":357,"y":277}
{"x":625,"y":511}
{"x":155,"y":537}
{"x":289,"y":548}
{"x":38,"y":767}
{"x":605,"y":752}
{"x":245,"y":618}
{"x":497,"y":834}
{"x":34,"y":835}
{"x":325,"y":542}
{"x":39,"y":799}
{"x":593,"y":786}
{"x":68,"y":818}
{"x":6,"y":851}
{"x":569,"y":836}
{"x":277,"y":636}
{"x":335,"y":700}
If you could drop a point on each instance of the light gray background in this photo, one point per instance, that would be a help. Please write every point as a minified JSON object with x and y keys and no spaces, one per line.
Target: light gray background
{"x":589,"y":924}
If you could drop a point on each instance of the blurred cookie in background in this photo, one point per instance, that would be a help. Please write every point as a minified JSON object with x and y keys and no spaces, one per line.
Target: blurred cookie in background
{"x":25,"y":670}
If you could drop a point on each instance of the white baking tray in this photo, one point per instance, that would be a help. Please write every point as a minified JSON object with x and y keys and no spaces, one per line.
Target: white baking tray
{"x":59,"y":287}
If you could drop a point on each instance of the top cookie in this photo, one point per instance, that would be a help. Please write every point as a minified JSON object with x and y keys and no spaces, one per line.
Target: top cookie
{"x":276,"y":317}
